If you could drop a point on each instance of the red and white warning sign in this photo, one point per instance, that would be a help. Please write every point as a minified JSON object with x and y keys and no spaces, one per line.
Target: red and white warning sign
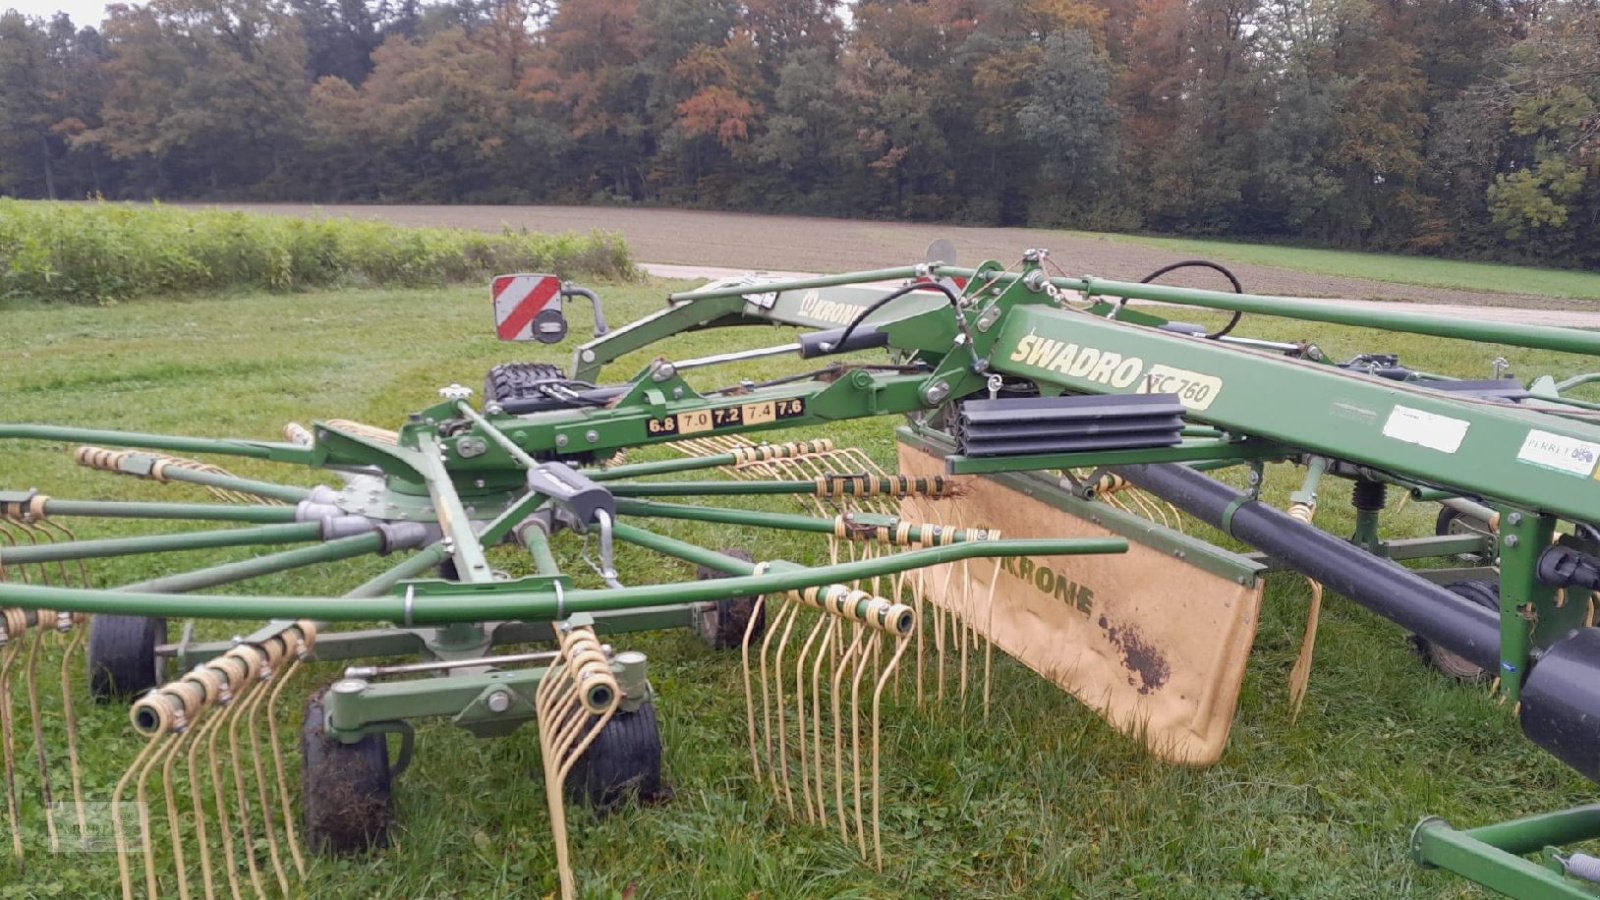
{"x":518,"y":301}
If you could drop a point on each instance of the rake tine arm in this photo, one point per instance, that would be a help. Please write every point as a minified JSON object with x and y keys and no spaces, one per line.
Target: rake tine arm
{"x":883,"y":528}
{"x":227,"y":573}
{"x":274,"y":451}
{"x":164,"y":468}
{"x":167,"y":543}
{"x":38,"y":506}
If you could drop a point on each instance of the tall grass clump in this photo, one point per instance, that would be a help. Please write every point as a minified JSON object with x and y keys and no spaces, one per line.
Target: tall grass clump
{"x":104,"y":252}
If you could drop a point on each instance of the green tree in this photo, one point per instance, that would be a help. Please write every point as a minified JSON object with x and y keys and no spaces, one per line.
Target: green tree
{"x":436,"y":120}
{"x":804,"y":156}
{"x":1070,"y":117}
{"x":340,"y":37}
{"x":27,"y":159}
{"x":1194,"y":143}
{"x":591,"y":77}
{"x":1548,"y":202}
{"x":207,"y":95}
{"x":51,"y":87}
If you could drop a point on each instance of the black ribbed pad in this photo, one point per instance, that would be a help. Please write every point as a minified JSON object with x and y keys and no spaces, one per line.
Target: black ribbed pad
{"x":1068,"y":424}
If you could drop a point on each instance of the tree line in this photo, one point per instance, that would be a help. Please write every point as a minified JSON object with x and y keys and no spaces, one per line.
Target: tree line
{"x":1456,"y":127}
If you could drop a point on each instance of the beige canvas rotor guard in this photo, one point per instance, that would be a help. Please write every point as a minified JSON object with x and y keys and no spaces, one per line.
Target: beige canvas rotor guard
{"x":1155,"y":644}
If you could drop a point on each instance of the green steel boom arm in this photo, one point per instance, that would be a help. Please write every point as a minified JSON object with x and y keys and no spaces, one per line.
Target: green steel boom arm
{"x":1494,"y":450}
{"x":1519,"y":456}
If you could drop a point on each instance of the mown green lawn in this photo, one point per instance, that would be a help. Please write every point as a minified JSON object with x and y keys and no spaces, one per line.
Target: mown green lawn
{"x":1040,"y":800}
{"x":1391,"y":267}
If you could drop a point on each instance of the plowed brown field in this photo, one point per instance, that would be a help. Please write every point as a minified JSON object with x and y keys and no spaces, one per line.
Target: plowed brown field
{"x":751,"y":241}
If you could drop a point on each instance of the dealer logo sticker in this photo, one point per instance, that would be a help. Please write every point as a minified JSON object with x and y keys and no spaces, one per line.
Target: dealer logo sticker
{"x":1559,"y":452}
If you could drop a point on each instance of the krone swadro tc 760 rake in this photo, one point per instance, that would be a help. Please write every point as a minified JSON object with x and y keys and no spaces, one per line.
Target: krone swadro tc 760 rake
{"x":1051,"y":462}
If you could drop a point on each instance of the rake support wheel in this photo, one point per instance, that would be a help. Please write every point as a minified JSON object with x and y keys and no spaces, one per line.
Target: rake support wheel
{"x":122,"y":655}
{"x":515,"y":381}
{"x":1484,"y":592}
{"x":347,"y":790}
{"x":623,"y":763}
{"x":722,"y":623}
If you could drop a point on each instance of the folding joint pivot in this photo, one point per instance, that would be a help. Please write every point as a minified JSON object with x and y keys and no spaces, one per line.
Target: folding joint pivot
{"x":125,"y":462}
{"x":581,"y":498}
{"x":842,"y":340}
{"x":28,"y":504}
{"x":321,"y":503}
{"x":631,"y":670}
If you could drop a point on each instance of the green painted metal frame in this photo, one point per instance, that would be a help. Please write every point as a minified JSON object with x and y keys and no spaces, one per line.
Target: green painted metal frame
{"x":1495,"y":856}
{"x":357,"y":706}
{"x":378,"y":643}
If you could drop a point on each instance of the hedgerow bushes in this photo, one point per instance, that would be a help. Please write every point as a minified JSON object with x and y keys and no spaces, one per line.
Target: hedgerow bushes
{"x":104,"y":252}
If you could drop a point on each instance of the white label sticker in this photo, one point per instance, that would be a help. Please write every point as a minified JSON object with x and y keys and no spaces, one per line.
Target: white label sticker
{"x":1425,"y":429}
{"x":1559,"y":452}
{"x":1195,"y":391}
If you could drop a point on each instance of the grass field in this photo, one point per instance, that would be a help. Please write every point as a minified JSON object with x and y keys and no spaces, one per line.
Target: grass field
{"x":1041,"y":800}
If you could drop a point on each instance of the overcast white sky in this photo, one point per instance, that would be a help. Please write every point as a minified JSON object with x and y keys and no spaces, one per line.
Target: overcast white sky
{"x":83,"y":12}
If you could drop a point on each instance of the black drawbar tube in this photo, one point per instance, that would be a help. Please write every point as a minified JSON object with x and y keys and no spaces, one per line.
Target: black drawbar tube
{"x":1383,"y":586}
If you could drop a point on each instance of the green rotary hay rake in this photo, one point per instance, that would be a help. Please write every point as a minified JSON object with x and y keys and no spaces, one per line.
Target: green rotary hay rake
{"x":1051,"y":503}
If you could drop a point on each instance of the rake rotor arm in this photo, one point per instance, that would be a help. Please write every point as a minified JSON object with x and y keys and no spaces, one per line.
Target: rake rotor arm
{"x":268,"y":450}
{"x":264,"y":535}
{"x":915,"y":534}
{"x":133,"y":509}
{"x":437,"y":603}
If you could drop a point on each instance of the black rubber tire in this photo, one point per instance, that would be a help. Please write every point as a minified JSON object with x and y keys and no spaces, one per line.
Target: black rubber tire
{"x":514,"y":381}
{"x":723,"y":627}
{"x":1482,"y":591}
{"x":447,"y":571}
{"x":122,"y":655}
{"x":347,"y":788}
{"x":622,"y":765}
